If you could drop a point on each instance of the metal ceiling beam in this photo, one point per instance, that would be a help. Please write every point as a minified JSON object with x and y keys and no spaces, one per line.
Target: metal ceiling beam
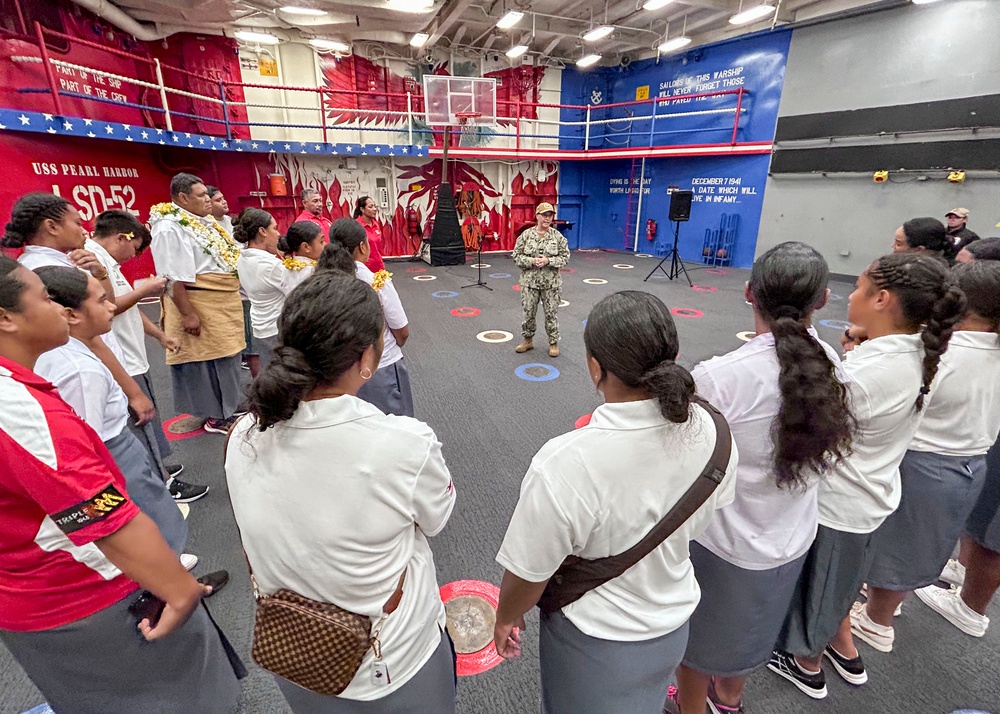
{"x":449,"y":18}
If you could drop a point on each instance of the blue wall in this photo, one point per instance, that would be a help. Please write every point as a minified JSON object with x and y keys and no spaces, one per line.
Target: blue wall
{"x":596,"y":194}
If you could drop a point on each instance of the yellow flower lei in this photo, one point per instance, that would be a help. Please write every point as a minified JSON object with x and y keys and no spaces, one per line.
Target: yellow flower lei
{"x":296,"y":264}
{"x":380,"y":279}
{"x":216,"y":243}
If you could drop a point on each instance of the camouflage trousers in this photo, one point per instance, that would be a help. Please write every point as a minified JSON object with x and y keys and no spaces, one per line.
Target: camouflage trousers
{"x":550,"y":299}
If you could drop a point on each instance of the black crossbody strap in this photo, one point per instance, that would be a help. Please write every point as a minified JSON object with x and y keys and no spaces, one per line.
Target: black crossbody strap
{"x":578,"y":576}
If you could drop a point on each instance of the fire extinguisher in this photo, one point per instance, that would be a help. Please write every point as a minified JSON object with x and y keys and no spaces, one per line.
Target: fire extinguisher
{"x":413,"y":222}
{"x":650,"y":230}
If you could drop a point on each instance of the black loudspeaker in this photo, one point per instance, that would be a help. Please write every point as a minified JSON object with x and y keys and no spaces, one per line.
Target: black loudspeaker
{"x":680,"y":205}
{"x":446,"y":244}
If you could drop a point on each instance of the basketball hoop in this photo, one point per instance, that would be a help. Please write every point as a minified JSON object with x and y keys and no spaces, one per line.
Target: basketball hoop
{"x":465,"y":121}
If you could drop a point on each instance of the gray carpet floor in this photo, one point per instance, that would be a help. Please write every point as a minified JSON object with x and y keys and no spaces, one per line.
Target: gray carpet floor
{"x":491,"y":423}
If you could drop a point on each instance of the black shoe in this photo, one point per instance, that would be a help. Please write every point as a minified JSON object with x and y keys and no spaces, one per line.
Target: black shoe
{"x":184,"y":492}
{"x":851,"y":671}
{"x":784,"y":665}
{"x":244,"y":364}
{"x":220,"y":426}
{"x":217,"y":580}
{"x":173,"y":471}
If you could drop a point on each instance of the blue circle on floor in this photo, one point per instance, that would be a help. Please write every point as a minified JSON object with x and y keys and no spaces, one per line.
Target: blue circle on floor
{"x":444,"y":294}
{"x":499,"y":275}
{"x":537,"y":372}
{"x":835,"y":324}
{"x":584,"y":323}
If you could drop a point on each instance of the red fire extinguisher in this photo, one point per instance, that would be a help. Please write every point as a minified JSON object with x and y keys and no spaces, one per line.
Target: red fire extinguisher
{"x":650,"y":230}
{"x":413,"y":221}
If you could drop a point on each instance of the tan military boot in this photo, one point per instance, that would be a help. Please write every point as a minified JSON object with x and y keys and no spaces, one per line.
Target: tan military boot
{"x":524,"y":346}
{"x":553,"y":350}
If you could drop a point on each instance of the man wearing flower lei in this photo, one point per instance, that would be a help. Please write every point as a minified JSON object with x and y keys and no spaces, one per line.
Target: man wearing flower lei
{"x":203,"y":311}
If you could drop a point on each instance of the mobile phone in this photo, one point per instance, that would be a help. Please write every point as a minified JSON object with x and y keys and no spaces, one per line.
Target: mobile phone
{"x":147,"y":607}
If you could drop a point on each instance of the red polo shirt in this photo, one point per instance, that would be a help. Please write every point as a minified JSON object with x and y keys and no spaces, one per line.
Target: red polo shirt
{"x":322,"y":222}
{"x":374,"y":231}
{"x":60,"y":491}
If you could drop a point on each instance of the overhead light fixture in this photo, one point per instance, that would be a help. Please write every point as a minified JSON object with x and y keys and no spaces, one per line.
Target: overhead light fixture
{"x":516,"y":51}
{"x":674,"y":44}
{"x":588,"y":60}
{"x":510,"y":19}
{"x":923,"y":2}
{"x":598,"y":33}
{"x":758,"y":12}
{"x":261,"y":38}
{"x":307,"y":11}
{"x":419,"y":39}
{"x":655,"y":4}
{"x":329,"y":45}
{"x":414,"y":6}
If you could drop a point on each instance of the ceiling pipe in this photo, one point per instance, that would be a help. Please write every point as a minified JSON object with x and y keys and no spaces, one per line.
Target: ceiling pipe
{"x":106,"y":11}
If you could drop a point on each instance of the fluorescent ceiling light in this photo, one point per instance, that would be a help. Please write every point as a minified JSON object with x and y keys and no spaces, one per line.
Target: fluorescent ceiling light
{"x":310,"y":11}
{"x":752,"y":14}
{"x":414,"y":6}
{"x":674,"y":44}
{"x":516,"y":51}
{"x":419,"y":39}
{"x":261,"y":38}
{"x":330,"y":45}
{"x":923,"y":2}
{"x":598,"y":33}
{"x":655,"y":4}
{"x":510,"y":19}
{"x":588,"y":60}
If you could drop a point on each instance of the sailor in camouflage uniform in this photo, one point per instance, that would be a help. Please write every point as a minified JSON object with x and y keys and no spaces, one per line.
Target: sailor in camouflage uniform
{"x":539,"y":253}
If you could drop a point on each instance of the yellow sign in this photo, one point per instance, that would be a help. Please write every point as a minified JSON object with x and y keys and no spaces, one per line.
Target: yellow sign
{"x":642,"y":93}
{"x":268,"y":67}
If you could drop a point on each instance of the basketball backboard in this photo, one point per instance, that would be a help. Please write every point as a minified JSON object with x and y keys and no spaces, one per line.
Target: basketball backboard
{"x":445,"y":98}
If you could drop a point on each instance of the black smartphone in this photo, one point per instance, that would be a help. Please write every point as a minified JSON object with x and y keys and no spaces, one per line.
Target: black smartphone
{"x":147,"y":607}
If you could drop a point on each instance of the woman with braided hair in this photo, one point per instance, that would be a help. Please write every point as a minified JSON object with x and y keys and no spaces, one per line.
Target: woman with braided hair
{"x":906,"y":306}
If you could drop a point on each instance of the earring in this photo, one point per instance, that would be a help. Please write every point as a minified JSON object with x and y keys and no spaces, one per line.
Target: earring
{"x":364,"y":376}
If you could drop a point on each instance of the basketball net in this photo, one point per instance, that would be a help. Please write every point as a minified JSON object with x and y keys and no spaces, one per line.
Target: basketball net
{"x":467,"y":127}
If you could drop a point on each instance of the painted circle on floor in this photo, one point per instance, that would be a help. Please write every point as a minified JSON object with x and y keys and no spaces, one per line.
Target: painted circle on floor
{"x":643,"y":255}
{"x":583,"y":421}
{"x":566,"y":270}
{"x":564,"y":303}
{"x":515,"y":286}
{"x":686,"y":312}
{"x":623,"y":266}
{"x":467,"y":617}
{"x":746,"y":336}
{"x":480,"y":265}
{"x":595,"y":281}
{"x":494,"y":336}
{"x":717,"y":271}
{"x":835,"y":297}
{"x":444,"y":294}
{"x":584,"y":323}
{"x":425,"y":277}
{"x":416,"y":270}
{"x":591,"y":258}
{"x":465,"y":311}
{"x":537,"y":372}
{"x":183,"y":427}
{"x":704,"y":288}
{"x":835,"y":324}
{"x":499,"y":275}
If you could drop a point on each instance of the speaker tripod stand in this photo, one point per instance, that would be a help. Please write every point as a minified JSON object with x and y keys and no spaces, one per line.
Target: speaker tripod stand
{"x":676,"y":264}
{"x":480,"y":283}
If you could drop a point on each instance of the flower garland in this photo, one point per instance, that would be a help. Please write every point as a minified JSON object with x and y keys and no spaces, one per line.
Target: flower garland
{"x":214,"y":240}
{"x":296,"y":264}
{"x":380,"y":279}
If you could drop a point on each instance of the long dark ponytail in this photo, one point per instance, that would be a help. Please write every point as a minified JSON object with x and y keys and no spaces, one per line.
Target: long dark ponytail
{"x":928,"y":296}
{"x":346,"y":235}
{"x":814,"y":426}
{"x":326,"y":325}
{"x":632,"y":335}
{"x":980,"y":282}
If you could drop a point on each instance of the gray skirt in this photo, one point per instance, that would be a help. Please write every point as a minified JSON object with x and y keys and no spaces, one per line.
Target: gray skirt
{"x":740,"y":615}
{"x":147,"y":489}
{"x":983,"y":525}
{"x":208,"y":390}
{"x":389,"y":389}
{"x":586,"y":675}
{"x":836,"y":566}
{"x":914,"y":543}
{"x":265,"y":349}
{"x":430,"y":691}
{"x":154,"y":428}
{"x":102,"y":665}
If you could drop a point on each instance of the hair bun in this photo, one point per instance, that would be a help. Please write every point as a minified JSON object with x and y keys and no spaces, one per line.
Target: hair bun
{"x":788,"y":311}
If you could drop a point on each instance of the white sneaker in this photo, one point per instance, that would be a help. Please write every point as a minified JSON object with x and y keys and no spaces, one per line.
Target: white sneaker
{"x":864,"y":593}
{"x":867,"y":630}
{"x":954,"y":573}
{"x":189,"y":561}
{"x":949,"y":605}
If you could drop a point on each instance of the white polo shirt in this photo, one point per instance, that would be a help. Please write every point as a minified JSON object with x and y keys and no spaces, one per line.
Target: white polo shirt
{"x":85,"y":384}
{"x":334,"y":504}
{"x":127,"y":326}
{"x":392,"y":311}
{"x":963,"y":419}
{"x":598,"y":491}
{"x":267,"y":283}
{"x":885,"y":375}
{"x":743,"y":385}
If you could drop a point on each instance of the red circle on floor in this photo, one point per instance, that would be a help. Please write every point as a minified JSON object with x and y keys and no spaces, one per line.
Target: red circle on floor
{"x":487,"y":658}
{"x":686,"y":312}
{"x":178,"y":437}
{"x":717,"y":271}
{"x":566,"y":270}
{"x":704,"y":288}
{"x":583,"y":421}
{"x":515,"y":286}
{"x":416,"y":270}
{"x":465,"y":311}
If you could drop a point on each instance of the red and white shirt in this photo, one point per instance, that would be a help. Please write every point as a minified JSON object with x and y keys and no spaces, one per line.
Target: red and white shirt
{"x":375,"y":235}
{"x":60,"y":491}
